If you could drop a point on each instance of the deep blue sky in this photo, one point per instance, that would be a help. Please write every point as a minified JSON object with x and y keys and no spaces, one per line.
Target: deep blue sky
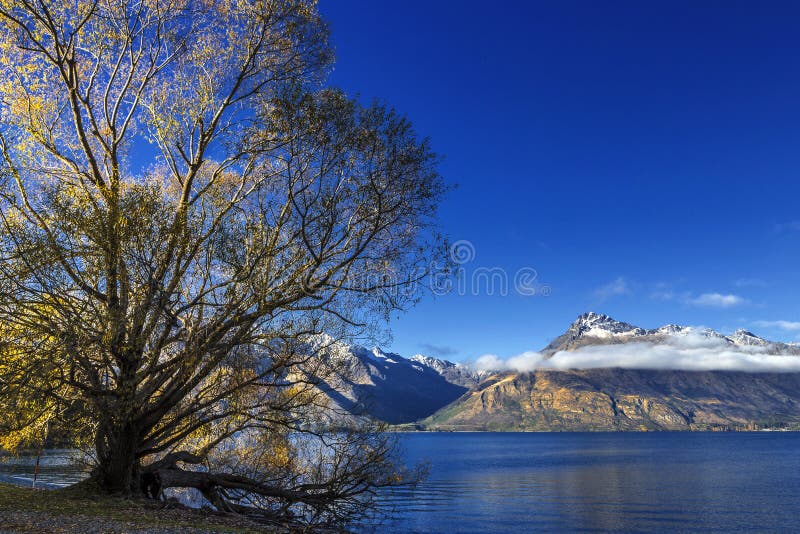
{"x":643,"y":157}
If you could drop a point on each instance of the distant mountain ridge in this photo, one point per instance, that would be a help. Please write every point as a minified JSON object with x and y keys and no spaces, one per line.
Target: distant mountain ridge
{"x":631,"y":399}
{"x":456,"y":373}
{"x":392,"y":388}
{"x":611,"y":399}
{"x":440,"y":394}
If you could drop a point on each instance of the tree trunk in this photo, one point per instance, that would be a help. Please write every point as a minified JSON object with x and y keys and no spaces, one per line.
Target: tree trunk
{"x":118,"y":470}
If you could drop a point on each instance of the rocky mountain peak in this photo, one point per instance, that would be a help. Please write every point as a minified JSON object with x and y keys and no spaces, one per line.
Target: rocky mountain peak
{"x":741,"y":332}
{"x":671,"y":329}
{"x":434,"y":363}
{"x":600,"y":329}
{"x":601,"y":325}
{"x":743,"y":337}
{"x":457,"y":373}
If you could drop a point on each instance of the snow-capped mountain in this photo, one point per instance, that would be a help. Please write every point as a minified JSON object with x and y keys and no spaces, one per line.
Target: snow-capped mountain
{"x":622,"y":395}
{"x":388,"y":386}
{"x":603,"y":326}
{"x":599,"y":329}
{"x":745,"y":338}
{"x":456,"y":373}
{"x":396,"y":389}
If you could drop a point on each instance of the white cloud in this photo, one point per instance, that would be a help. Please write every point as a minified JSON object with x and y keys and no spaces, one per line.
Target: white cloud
{"x":783,"y":325}
{"x":689,"y":358}
{"x":489,"y":362}
{"x":688,"y":353}
{"x":527,"y":361}
{"x":716,"y":300}
{"x":612,"y":289}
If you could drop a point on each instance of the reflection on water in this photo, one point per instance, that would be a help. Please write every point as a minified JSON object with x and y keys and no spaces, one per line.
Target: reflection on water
{"x":601,"y":482}
{"x":56,"y":467}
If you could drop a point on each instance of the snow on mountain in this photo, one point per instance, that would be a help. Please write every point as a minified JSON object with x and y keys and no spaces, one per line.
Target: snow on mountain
{"x":671,"y":329}
{"x":457,"y":373}
{"x":599,"y":329}
{"x":593,"y":328}
{"x":599,"y":325}
{"x":745,"y":338}
{"x":388,"y":386}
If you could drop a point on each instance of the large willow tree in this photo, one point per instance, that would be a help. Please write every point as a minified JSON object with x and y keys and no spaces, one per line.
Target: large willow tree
{"x":184,"y":206}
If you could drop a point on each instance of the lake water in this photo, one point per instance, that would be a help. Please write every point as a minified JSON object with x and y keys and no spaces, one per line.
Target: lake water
{"x":57,"y":468}
{"x":632,"y":482}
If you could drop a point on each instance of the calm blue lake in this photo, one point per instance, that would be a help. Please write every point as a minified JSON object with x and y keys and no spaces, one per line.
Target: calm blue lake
{"x":589,"y":482}
{"x":632,"y":482}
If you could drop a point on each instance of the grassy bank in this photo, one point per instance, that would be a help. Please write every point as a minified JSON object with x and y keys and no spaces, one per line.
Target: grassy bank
{"x":72,"y":510}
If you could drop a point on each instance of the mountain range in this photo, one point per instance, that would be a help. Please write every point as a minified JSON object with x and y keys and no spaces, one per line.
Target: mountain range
{"x":392,"y":388}
{"x":436,"y":394}
{"x":598,"y":329}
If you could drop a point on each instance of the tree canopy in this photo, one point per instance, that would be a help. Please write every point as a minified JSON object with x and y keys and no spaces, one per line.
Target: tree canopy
{"x":184,"y":208}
